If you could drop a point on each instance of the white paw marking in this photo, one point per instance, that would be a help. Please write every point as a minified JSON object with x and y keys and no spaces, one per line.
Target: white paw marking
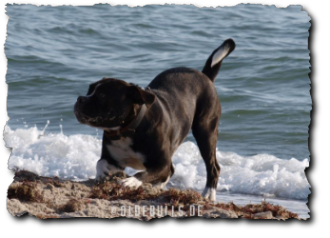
{"x":103,"y":168}
{"x":220,"y":54}
{"x":209,"y":193}
{"x":131,"y":182}
{"x":122,"y":152}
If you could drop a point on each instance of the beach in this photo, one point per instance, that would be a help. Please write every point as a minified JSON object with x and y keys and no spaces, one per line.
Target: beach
{"x":51,"y":198}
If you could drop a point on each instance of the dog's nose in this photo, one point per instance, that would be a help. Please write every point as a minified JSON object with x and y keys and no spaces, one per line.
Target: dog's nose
{"x":81,"y":99}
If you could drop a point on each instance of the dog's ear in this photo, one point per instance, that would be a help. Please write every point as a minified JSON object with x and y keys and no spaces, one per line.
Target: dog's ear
{"x":91,"y":88}
{"x":140,"y":96}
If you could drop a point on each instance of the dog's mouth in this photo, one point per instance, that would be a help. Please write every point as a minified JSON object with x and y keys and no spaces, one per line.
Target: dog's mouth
{"x":98,"y":121}
{"x":94,"y":119}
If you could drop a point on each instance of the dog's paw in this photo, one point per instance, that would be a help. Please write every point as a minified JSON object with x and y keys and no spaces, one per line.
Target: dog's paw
{"x":103,"y":169}
{"x":131,"y":182}
{"x":209,"y":193}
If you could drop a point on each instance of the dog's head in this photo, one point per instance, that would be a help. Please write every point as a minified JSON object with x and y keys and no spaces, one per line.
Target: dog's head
{"x":110,"y":103}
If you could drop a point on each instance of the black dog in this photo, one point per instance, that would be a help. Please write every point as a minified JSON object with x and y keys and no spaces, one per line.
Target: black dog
{"x":144,"y":127}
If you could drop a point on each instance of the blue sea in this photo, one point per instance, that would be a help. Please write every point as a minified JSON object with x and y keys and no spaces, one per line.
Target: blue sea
{"x":54,"y":53}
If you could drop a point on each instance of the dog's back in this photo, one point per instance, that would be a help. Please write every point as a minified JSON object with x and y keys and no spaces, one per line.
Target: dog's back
{"x":181,"y":82}
{"x":183,"y":92}
{"x":188,"y":92}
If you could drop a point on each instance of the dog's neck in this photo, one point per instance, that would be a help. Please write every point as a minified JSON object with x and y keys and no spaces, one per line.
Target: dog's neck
{"x":129,"y":126}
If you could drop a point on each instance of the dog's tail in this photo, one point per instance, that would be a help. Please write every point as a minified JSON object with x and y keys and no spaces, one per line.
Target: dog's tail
{"x":213,"y":63}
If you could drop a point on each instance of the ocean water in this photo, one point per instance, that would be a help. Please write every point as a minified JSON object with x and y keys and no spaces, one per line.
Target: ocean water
{"x":54,"y":53}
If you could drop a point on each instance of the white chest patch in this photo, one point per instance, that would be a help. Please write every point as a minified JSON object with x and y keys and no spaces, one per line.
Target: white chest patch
{"x":122,"y":152}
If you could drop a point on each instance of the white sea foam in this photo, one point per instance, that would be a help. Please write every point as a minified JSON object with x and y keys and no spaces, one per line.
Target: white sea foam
{"x":72,"y":157}
{"x":261,"y":174}
{"x":75,"y":157}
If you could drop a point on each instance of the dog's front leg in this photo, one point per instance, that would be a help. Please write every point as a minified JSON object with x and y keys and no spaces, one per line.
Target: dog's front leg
{"x":157,"y":177}
{"x":104,"y":168}
{"x":131,"y":182}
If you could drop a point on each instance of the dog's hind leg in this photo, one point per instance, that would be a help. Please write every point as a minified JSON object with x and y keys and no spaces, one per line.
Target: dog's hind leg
{"x":206,"y":134}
